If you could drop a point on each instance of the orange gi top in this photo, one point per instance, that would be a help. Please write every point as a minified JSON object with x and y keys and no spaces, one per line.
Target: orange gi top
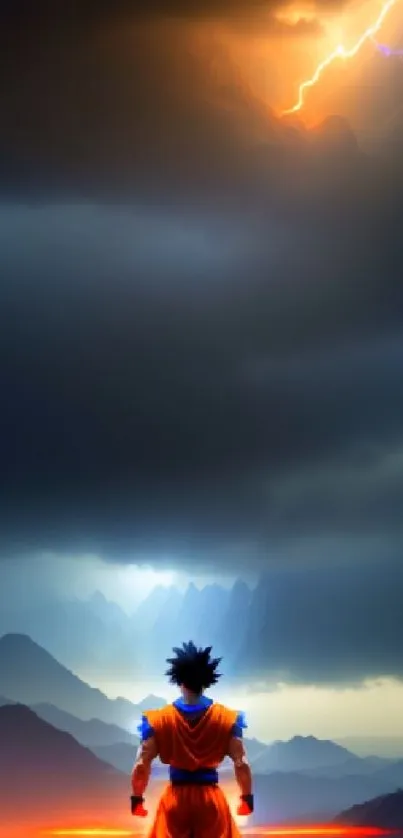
{"x":192,"y":810}
{"x":192,"y":746}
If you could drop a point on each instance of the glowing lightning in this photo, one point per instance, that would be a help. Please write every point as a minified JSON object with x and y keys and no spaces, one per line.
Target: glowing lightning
{"x":341,"y":52}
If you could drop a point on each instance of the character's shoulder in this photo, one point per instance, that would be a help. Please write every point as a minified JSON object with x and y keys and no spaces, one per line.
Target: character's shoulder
{"x":159,"y":715}
{"x":235,"y":719}
{"x":223,"y":712}
{"x":152,"y":721}
{"x":240,"y":725}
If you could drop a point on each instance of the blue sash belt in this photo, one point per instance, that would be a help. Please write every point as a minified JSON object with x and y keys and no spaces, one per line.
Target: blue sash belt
{"x":201,"y":777}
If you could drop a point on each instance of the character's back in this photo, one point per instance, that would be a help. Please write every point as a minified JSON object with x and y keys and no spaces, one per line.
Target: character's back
{"x":193,"y":736}
{"x":192,"y":740}
{"x":193,"y":744}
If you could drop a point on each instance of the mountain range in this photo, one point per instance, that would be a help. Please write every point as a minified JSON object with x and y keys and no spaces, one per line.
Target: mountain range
{"x":28,"y":673}
{"x":300,"y":753}
{"x":96,"y":635}
{"x":90,"y":758}
{"x":390,"y":747}
{"x":90,"y":733}
{"x":96,"y":638}
{"x":100,"y":641}
{"x":31,"y":675}
{"x":295,"y":797}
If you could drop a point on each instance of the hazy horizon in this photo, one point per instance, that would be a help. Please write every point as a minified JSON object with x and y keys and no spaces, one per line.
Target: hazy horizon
{"x":278,"y":710}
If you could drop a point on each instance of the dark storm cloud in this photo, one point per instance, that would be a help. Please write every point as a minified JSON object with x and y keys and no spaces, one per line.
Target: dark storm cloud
{"x":181,"y":371}
{"x":336,"y":624}
{"x":107,"y":108}
{"x":78,"y":14}
{"x":178,"y":411}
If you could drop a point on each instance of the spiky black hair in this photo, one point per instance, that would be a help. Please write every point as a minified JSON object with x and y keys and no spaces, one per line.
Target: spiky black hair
{"x":193,"y":668}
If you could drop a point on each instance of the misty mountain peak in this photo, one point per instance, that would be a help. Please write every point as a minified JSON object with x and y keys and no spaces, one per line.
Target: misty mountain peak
{"x":16,"y":638}
{"x":151,"y":702}
{"x":311,"y":745}
{"x":240,"y":585}
{"x":30,"y":673}
{"x":99,"y":597}
{"x":20,"y":645}
{"x":300,"y":753}
{"x":240,"y":590}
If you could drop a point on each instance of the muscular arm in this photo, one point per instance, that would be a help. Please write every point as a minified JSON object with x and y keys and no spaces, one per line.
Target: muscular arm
{"x":142,"y":766}
{"x":243,"y":774}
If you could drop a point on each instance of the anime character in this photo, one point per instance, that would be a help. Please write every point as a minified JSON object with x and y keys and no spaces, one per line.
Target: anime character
{"x":193,"y":736}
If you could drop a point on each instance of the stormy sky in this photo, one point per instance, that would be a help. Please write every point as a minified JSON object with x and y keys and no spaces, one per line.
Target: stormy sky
{"x":201,"y":303}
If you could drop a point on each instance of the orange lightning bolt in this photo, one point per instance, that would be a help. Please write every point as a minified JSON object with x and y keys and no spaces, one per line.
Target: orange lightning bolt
{"x":341,"y":52}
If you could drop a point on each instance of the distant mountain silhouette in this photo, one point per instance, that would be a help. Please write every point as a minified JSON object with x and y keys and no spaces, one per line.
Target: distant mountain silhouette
{"x":96,"y":635}
{"x":43,"y":769}
{"x":391,"y":773}
{"x":235,"y":613}
{"x":388,"y":747}
{"x":87,"y":733}
{"x":287,"y":797}
{"x":385,"y":812}
{"x":80,"y":633}
{"x":31,"y":675}
{"x":150,"y":702}
{"x":122,"y":756}
{"x":299,"y":753}
{"x":107,"y":611}
{"x":255,"y":748}
{"x":353,"y":765}
{"x":119,"y":754}
{"x":172,"y":615}
{"x":158,"y":601}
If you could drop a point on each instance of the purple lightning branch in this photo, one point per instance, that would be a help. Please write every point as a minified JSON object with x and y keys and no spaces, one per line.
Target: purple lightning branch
{"x":387,"y":51}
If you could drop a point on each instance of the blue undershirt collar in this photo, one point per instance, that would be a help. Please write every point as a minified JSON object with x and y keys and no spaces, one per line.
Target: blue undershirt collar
{"x":202,"y":704}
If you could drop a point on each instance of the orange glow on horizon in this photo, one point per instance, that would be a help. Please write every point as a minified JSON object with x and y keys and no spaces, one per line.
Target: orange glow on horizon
{"x":340,"y":53}
{"x":334,"y":831}
{"x":94,"y":832}
{"x":339,"y":831}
